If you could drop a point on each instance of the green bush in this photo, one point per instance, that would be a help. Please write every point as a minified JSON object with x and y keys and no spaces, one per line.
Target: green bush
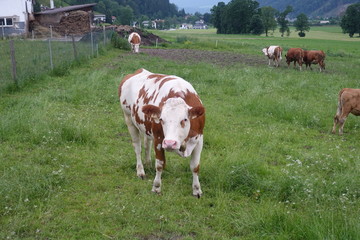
{"x":301,"y":34}
{"x":119,"y":42}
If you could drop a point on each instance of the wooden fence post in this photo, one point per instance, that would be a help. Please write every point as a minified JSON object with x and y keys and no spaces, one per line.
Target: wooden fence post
{"x":104,"y":35}
{"x":51,"y":57}
{"x":13,"y":61}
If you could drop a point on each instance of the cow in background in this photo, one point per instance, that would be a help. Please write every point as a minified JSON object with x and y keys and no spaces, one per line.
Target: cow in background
{"x":349,"y":102}
{"x":273,"y":53}
{"x":295,"y":55}
{"x":314,"y":57}
{"x":167,"y":110}
{"x":134,"y":40}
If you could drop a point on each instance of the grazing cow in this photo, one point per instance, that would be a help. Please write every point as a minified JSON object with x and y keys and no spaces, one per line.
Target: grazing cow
{"x":274,"y":53}
{"x":167,"y":110}
{"x":295,"y":55}
{"x":134,"y":40}
{"x":314,"y":57}
{"x":349,"y":102}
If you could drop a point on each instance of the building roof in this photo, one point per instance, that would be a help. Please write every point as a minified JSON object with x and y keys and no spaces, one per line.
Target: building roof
{"x":66,"y":9}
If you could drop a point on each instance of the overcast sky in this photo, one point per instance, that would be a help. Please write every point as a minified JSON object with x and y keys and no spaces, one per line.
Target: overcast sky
{"x":192,"y":6}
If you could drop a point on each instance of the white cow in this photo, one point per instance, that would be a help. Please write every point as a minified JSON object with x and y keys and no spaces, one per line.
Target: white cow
{"x":273,"y":53}
{"x":167,"y":110}
{"x":134,"y":40}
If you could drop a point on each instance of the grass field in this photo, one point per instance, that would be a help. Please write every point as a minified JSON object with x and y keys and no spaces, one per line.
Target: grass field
{"x":270,"y":168}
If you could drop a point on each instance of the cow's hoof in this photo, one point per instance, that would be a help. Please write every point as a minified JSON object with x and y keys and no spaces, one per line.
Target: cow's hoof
{"x":141,"y":175}
{"x":197,"y":193}
{"x":156,"y":190}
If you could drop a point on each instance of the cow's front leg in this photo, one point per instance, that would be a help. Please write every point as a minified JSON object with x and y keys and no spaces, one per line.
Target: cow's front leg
{"x":147,"y":143}
{"x":195,"y":167}
{"x":159,"y":166}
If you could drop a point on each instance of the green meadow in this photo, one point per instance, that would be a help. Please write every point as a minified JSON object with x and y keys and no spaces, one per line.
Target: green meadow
{"x":270,"y":168}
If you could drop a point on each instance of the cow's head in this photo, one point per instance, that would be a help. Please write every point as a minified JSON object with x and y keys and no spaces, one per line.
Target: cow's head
{"x":174,"y":117}
{"x":136,"y":47}
{"x":265,"y":51}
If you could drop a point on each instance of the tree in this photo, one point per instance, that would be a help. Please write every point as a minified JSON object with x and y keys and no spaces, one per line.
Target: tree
{"x":302,"y":24}
{"x":217,"y":17}
{"x":268,"y":18}
{"x":256,"y":25}
{"x":281,"y":19}
{"x":350,"y":22}
{"x":239,"y":14}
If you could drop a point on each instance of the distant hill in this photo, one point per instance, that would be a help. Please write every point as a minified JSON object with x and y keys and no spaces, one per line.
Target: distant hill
{"x":313,"y":8}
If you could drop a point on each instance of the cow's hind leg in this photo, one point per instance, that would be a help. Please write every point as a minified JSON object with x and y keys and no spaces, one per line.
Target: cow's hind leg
{"x":342,"y":118}
{"x":336,"y":122}
{"x":195,"y":167}
{"x":136,"y":141}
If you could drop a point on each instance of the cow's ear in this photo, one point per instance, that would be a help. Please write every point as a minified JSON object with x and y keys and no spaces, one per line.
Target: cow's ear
{"x":196,"y":112}
{"x":152,"y":111}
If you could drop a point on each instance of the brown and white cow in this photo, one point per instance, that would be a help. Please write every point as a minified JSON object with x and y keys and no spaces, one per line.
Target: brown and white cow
{"x":167,"y":111}
{"x":295,"y":55}
{"x":349,"y":102}
{"x":273,"y":53}
{"x":314,"y":57}
{"x":134,"y":40}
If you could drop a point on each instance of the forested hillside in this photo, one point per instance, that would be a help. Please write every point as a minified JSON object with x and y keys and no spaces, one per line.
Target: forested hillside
{"x":151,"y":8}
{"x":323,"y":8}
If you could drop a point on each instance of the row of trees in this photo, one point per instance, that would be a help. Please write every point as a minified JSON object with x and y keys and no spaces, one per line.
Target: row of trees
{"x":245,"y":16}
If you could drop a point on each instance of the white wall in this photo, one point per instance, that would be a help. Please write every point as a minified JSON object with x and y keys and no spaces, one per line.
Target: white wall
{"x":9,"y":8}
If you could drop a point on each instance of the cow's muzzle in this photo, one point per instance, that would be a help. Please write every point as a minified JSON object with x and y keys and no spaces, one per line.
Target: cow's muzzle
{"x":169,"y":144}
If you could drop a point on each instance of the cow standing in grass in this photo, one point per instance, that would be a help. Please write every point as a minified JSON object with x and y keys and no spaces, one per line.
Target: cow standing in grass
{"x":167,"y":111}
{"x":295,"y":55}
{"x":314,"y":57}
{"x":349,"y":102}
{"x":273,"y":53}
{"x":134,"y":40}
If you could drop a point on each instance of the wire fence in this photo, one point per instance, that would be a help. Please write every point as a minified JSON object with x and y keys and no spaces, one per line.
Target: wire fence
{"x":25,"y":59}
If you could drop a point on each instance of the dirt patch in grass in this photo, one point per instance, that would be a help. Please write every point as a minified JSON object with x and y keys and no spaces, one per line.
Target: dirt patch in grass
{"x":213,"y":57}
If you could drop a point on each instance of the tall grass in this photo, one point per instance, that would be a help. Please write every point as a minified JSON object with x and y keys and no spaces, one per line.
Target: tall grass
{"x":270,"y":169}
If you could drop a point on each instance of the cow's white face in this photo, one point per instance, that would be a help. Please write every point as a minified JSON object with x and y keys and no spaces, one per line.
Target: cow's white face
{"x":174,"y":118}
{"x":175,"y":122}
{"x":136,"y":47}
{"x":265,"y":51}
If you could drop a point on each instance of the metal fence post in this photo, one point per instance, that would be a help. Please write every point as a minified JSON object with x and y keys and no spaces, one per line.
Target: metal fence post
{"x":13,"y":61}
{"x":74,"y":47}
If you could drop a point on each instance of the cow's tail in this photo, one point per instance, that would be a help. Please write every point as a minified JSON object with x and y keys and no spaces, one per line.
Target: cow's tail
{"x":340,"y":103}
{"x":280,"y":53}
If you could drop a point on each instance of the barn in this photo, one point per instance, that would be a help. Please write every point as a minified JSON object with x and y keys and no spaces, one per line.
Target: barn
{"x":75,"y":19}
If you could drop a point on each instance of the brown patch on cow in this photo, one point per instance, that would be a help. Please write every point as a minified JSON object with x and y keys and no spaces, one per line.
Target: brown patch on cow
{"x":157,"y":77}
{"x":165,"y":80}
{"x":135,"y":39}
{"x":197,"y":169}
{"x":126,"y":78}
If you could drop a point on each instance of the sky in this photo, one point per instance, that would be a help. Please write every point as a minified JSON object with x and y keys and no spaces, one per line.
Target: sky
{"x":192,"y":6}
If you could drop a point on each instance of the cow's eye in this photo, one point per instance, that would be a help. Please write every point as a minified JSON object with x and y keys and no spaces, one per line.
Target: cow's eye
{"x":185,"y":119}
{"x":160,"y":119}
